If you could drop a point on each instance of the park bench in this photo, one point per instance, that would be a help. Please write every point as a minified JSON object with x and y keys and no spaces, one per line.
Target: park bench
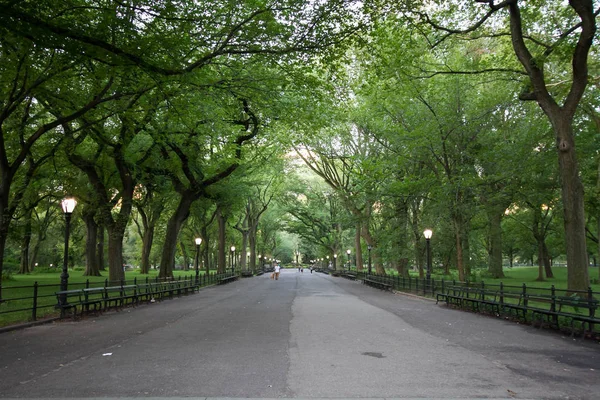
{"x":556,"y":307}
{"x":376,"y":282}
{"x":69,"y":300}
{"x":226,"y":279}
{"x":350,"y":275}
{"x":574,"y":305}
{"x":478,"y":298}
{"x":118,"y":296}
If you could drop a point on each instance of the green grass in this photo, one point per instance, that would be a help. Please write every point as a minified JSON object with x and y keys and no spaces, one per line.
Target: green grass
{"x":18,"y":292}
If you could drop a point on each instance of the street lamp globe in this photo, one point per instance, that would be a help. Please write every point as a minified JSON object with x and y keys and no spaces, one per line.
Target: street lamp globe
{"x":427,"y":233}
{"x":198,"y":241}
{"x":68,"y":205}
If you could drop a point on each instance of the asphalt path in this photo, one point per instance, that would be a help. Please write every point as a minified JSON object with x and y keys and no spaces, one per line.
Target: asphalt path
{"x":303,"y":336}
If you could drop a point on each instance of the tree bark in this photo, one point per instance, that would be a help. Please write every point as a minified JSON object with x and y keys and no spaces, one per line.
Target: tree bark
{"x":174,"y":225}
{"x":561,"y":118}
{"x":358,"y":248}
{"x":184,"y":253}
{"x":495,"y":236}
{"x":221,"y":259}
{"x":91,"y":258}
{"x":100,"y":248}
{"x":25,"y":242}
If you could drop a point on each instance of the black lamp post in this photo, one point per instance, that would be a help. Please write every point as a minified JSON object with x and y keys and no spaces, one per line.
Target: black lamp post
{"x":349,"y":264}
{"x":428,"y":233}
{"x":334,"y":261}
{"x":369,"y":247}
{"x":232,"y":259}
{"x":198,"y":241}
{"x":68,"y":205}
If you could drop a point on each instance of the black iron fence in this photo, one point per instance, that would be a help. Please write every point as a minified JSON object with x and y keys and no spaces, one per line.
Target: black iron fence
{"x":33,"y":302}
{"x":560,"y":308}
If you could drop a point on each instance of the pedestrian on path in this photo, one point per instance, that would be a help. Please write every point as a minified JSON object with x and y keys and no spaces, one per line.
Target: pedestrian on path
{"x":277,"y":268}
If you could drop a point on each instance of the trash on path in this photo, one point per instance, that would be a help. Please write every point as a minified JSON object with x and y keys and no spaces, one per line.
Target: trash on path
{"x":107,"y":354}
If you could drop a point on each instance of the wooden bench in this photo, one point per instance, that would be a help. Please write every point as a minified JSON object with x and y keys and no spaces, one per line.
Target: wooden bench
{"x":350,"y":275}
{"x":476,"y":297}
{"x":69,"y":300}
{"x":377,"y":283}
{"x":562,"y":306}
{"x":576,"y":303}
{"x":120,"y":296}
{"x":227,"y":279}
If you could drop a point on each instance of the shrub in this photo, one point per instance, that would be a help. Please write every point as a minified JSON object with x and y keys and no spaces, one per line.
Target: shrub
{"x":7,"y":276}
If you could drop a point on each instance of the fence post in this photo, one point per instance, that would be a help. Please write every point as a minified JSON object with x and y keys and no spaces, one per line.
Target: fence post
{"x":501,"y":294}
{"x":35,"y":298}
{"x":553,"y":294}
{"x":87,"y":283}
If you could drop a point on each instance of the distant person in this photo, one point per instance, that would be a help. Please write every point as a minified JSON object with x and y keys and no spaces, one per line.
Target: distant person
{"x":277,"y":269}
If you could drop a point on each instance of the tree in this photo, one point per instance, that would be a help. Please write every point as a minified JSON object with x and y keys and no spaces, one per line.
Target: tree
{"x":542,"y":50}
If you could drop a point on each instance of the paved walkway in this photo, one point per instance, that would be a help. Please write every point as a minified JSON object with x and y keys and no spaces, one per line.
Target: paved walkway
{"x":304,"y":336}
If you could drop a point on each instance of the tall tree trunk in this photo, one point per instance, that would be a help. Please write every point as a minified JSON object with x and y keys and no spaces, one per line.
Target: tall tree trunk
{"x":244,"y":251}
{"x":546,"y":259}
{"x":573,"y":208}
{"x":186,"y":258}
{"x":401,"y":236}
{"x":91,"y":258}
{"x":147,"y":240}
{"x":25,"y":242}
{"x":459,"y":249}
{"x":115,"y":254}
{"x":174,"y":225}
{"x":495,"y":237}
{"x":540,"y":249}
{"x":252,"y":242}
{"x":206,"y":253}
{"x":100,"y":248}
{"x":221,"y":260}
{"x":358,"y":248}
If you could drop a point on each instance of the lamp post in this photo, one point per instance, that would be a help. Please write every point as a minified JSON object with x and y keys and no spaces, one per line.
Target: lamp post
{"x":198,"y":241}
{"x":68,"y":205}
{"x":348,"y":252}
{"x":427,"y":233}
{"x":232,"y":259}
{"x":334,"y":261}
{"x":369,"y":247}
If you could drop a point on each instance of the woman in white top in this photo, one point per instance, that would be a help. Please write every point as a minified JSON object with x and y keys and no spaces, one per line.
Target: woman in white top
{"x":277,"y":268}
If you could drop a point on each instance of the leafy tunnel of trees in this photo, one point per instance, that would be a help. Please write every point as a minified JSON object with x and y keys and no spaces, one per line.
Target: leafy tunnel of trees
{"x":300,"y":129}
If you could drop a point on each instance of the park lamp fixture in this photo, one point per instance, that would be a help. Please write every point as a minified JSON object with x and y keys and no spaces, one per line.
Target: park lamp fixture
{"x":68,"y":205}
{"x":369,"y":247}
{"x":348,"y":252}
{"x":335,"y":256}
{"x":232,"y":249}
{"x":427,"y":233}
{"x":198,"y":241}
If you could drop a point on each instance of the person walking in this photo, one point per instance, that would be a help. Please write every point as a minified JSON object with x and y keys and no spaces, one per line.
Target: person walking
{"x":277,"y":268}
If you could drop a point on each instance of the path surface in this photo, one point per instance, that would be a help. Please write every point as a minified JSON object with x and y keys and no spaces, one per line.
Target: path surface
{"x":304,"y":336}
